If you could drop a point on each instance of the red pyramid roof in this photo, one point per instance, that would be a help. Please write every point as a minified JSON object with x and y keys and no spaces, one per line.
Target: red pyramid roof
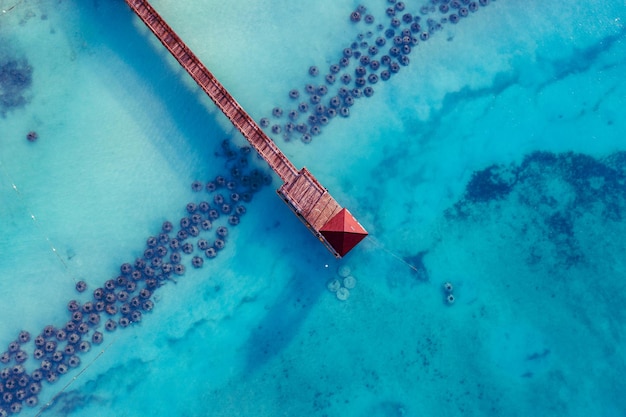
{"x":343,"y":232}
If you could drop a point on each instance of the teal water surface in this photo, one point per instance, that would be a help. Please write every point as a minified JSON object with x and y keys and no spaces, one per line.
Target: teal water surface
{"x":494,"y":161}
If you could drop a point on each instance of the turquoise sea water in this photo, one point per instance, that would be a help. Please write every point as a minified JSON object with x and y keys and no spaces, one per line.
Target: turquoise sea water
{"x":494,"y":161}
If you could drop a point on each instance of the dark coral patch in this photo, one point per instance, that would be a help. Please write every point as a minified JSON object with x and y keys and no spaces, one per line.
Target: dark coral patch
{"x":492,"y":183}
{"x":555,"y":191}
{"x":16,"y":77}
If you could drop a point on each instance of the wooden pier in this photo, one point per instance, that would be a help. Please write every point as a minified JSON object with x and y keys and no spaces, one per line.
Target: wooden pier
{"x":302,"y":192}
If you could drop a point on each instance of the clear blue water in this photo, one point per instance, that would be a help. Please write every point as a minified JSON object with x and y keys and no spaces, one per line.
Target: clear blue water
{"x":493,"y":161}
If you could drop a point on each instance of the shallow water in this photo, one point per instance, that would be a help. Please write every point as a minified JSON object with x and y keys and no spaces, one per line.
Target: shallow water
{"x":492,"y":162}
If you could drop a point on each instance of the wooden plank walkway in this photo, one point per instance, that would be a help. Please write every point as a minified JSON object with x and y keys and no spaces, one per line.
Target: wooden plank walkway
{"x":302,"y":192}
{"x":215,"y":90}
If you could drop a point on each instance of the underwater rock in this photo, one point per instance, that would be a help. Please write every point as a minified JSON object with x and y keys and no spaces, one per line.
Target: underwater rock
{"x":81,"y":286}
{"x":349,"y":282}
{"x":450,"y":299}
{"x":344,"y":271}
{"x":342,"y":294}
{"x":333,"y":285}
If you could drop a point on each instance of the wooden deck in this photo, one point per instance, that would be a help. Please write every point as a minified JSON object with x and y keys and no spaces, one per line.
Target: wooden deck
{"x":306,"y":197}
{"x":309,"y":200}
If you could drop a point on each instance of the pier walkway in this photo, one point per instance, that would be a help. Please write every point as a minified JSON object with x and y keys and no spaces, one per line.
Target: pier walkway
{"x":302,"y":192}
